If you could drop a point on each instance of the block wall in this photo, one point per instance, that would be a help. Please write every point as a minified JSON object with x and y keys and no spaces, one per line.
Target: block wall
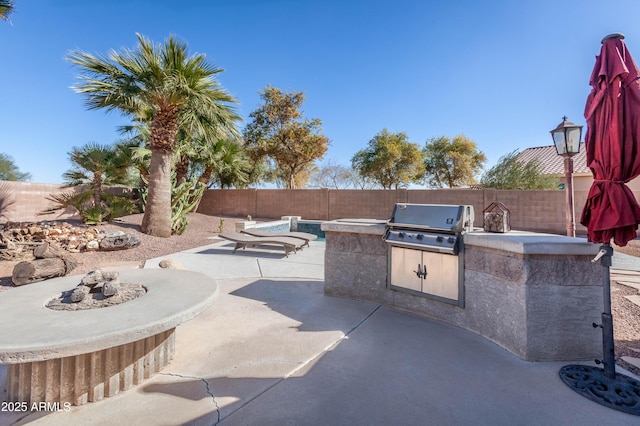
{"x":541,"y":211}
{"x":22,"y":201}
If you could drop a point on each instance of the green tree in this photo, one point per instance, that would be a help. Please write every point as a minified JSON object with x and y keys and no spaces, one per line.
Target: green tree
{"x":390,"y":160}
{"x":163,"y":82}
{"x":6,"y":9}
{"x":279,"y":132}
{"x":9,"y":170}
{"x":452,"y":162}
{"x":509,"y":173}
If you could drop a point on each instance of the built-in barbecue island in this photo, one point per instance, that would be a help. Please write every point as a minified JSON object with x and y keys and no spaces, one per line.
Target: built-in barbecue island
{"x":536,"y":295}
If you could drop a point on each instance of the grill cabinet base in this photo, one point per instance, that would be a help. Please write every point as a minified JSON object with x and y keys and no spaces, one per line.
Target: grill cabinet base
{"x":430,"y":274}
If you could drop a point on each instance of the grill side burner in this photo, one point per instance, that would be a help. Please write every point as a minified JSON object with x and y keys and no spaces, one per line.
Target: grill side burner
{"x":425,"y":250}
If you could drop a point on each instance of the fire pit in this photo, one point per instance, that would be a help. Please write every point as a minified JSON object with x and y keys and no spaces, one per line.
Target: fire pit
{"x":97,"y":289}
{"x":85,"y":355}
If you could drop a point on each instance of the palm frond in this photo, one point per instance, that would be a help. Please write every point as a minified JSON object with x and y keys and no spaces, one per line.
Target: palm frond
{"x":7,"y":8}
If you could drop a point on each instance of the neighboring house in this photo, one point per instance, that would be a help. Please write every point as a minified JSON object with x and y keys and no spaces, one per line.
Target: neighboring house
{"x":553,"y":164}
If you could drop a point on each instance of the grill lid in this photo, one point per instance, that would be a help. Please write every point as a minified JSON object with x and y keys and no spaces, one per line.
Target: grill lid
{"x":436,"y":217}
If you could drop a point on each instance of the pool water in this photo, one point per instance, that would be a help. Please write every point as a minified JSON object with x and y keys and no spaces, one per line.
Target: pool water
{"x":310,"y":227}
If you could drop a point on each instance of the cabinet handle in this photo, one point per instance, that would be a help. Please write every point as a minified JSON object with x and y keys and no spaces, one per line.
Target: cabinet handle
{"x":420,"y":273}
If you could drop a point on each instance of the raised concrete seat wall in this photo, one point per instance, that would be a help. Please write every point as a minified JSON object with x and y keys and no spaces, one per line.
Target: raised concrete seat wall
{"x":38,"y":333}
{"x":84,"y":356}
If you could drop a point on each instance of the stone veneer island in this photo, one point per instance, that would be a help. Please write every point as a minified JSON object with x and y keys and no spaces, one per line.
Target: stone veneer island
{"x":535,"y":295}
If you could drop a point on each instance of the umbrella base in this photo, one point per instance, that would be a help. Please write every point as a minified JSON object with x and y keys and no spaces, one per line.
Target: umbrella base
{"x":621,"y":393}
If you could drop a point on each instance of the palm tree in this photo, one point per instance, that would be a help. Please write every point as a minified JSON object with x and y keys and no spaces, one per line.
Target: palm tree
{"x":6,"y":9}
{"x":232,"y":166}
{"x":179,"y":91}
{"x":211,"y":160}
{"x":96,"y":166}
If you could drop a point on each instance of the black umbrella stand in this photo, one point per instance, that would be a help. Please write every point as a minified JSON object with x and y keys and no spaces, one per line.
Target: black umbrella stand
{"x":604,"y":385}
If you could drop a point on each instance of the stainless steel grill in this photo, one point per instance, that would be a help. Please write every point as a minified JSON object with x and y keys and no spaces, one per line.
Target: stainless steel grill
{"x":426,"y":249}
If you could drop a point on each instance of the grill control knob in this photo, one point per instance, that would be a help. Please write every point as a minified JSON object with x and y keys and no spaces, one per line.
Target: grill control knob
{"x":419,"y":236}
{"x":451,"y":240}
{"x":439,"y":239}
{"x":401,"y":234}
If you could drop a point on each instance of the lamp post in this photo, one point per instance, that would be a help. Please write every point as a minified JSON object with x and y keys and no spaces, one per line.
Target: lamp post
{"x":566,"y":138}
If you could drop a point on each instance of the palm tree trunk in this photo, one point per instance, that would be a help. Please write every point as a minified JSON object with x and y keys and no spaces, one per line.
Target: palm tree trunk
{"x":97,"y":189}
{"x":206,"y":175}
{"x":182,"y":168}
{"x":157,"y":213}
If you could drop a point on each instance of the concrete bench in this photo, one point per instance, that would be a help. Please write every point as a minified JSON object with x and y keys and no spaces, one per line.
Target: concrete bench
{"x":84,"y":356}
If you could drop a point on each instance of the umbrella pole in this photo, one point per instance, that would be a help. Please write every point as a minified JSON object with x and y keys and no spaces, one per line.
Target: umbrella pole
{"x":604,"y":385}
{"x":608,"y":342}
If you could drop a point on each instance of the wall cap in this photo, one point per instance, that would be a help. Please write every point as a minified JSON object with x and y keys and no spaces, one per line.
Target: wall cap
{"x":356,"y":226}
{"x":523,"y":242}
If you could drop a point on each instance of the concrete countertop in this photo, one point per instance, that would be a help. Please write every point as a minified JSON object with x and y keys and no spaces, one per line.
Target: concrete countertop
{"x":32,"y":332}
{"x":356,"y":226}
{"x":520,"y":242}
{"x":523,"y":242}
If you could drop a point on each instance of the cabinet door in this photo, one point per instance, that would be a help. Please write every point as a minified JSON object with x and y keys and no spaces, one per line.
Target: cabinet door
{"x":442,"y":275}
{"x":404,"y":265}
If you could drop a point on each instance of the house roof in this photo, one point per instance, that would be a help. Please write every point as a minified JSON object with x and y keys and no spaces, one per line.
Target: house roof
{"x":553,"y":164}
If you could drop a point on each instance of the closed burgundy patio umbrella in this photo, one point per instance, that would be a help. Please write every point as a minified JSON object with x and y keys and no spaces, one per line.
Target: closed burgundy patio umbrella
{"x":611,"y":212}
{"x":613,"y":144}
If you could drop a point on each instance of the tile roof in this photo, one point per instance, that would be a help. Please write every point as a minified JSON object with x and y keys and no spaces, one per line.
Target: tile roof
{"x":553,"y":164}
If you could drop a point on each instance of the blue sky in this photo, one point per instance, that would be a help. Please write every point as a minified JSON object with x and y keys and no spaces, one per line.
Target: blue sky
{"x":501,"y":72}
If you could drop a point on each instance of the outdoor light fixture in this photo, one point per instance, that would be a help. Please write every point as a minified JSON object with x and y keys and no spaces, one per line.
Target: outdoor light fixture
{"x":566,"y":138}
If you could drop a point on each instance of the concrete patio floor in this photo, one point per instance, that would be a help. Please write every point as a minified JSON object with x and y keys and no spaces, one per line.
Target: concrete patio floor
{"x":274,"y":350}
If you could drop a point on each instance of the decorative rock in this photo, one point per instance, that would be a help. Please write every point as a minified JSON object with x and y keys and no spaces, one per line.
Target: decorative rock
{"x":98,"y":275}
{"x":171,"y":264}
{"x":60,"y":234}
{"x":110,"y":288}
{"x":119,"y":241}
{"x":92,"y":245}
{"x":78,"y":294}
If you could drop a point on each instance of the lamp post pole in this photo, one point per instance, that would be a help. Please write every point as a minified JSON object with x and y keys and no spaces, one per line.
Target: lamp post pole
{"x":566,"y":138}
{"x":570,"y":212}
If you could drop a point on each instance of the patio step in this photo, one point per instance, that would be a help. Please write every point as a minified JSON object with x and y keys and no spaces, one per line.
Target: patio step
{"x":626,"y":278}
{"x":635,"y":299}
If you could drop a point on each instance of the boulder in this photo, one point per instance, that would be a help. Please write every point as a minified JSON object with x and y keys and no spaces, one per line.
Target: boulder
{"x":119,"y":241}
{"x":171,"y":264}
